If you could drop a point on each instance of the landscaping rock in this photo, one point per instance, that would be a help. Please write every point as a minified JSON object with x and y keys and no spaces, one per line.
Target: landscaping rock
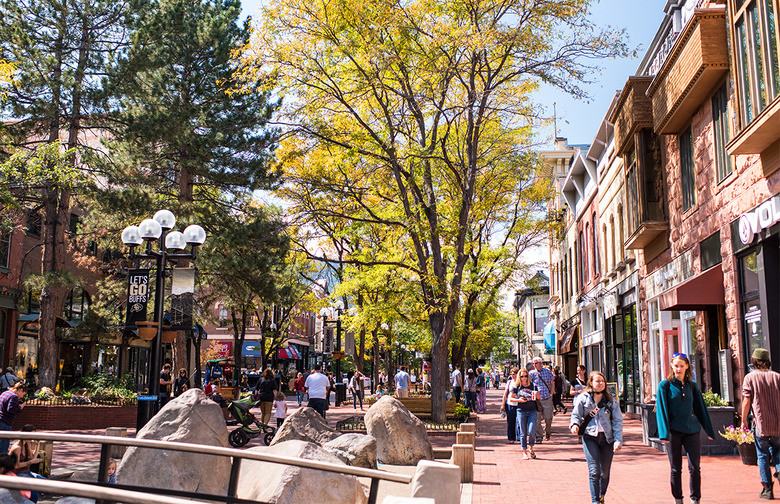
{"x":74,"y":500}
{"x":356,"y":450}
{"x":305,"y":424}
{"x":189,"y":418}
{"x":283,"y":484}
{"x":8,"y":496}
{"x":400,"y":436}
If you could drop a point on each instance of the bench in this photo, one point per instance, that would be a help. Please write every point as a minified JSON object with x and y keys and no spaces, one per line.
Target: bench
{"x":422,"y":405}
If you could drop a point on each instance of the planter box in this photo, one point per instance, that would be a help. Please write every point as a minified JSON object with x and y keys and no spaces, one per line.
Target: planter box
{"x":721,"y":417}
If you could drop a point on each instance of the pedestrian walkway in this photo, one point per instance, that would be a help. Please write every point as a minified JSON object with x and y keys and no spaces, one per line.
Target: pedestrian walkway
{"x":640,"y":474}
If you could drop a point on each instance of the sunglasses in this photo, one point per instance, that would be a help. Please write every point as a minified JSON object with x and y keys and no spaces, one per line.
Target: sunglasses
{"x":523,"y":375}
{"x":678,"y":354}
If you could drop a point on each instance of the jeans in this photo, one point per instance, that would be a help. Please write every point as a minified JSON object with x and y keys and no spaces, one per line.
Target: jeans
{"x":692,"y":444}
{"x":357,"y":395}
{"x":511,"y":423}
{"x":318,"y":405}
{"x":471,"y":400}
{"x":767,"y":448}
{"x":547,"y":415}
{"x":526,"y":427}
{"x":456,"y":392}
{"x":5,"y":443}
{"x":34,"y":496}
{"x":598,"y":453}
{"x":299,"y":393}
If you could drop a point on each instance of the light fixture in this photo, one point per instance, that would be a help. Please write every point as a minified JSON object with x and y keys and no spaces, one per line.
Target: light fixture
{"x":150,"y":229}
{"x":339,"y":305}
{"x":175,"y":241}
{"x":385,"y":327}
{"x":272,"y":326}
{"x":166,"y":219}
{"x":324,"y":312}
{"x":194,"y":235}
{"x":132,"y":236}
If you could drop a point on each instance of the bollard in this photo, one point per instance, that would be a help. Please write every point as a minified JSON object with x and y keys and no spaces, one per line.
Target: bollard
{"x":463,"y":457}
{"x":465,"y":438}
{"x":468,"y":427}
{"x":117,"y":452}
{"x":438,"y":481}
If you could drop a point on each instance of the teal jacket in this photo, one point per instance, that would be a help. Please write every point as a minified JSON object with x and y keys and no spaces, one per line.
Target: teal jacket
{"x":681,"y":408}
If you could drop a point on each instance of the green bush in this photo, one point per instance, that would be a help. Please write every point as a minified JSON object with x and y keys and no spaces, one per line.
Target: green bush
{"x":101,"y":386}
{"x":713,"y":399}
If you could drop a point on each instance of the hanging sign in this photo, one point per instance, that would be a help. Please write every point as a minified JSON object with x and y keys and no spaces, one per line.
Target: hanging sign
{"x":137,"y":296}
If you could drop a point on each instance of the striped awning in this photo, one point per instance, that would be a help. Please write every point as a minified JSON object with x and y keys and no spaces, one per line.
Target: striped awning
{"x":291,"y":352}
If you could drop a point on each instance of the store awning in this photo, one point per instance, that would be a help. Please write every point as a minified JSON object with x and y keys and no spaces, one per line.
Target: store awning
{"x":569,"y":341}
{"x":705,"y":289}
{"x":289,"y":353}
{"x":28,"y":325}
{"x":549,"y":336}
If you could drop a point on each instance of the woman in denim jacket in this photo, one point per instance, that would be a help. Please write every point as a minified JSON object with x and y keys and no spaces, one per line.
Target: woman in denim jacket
{"x":603,"y":433}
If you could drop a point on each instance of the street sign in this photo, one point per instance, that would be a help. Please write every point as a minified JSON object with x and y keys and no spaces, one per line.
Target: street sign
{"x":147,"y":398}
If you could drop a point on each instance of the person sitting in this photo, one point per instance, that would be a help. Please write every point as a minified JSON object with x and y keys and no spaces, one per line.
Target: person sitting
{"x":25,"y":452}
{"x":7,"y":468}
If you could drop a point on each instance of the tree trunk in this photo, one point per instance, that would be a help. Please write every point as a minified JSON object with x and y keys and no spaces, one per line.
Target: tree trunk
{"x":375,"y":356}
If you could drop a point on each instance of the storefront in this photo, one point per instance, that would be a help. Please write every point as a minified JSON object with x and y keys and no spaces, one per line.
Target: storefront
{"x":569,"y":347}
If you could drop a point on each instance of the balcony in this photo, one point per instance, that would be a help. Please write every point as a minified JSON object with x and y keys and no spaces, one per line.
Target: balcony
{"x":697,"y":63}
{"x":633,"y":111}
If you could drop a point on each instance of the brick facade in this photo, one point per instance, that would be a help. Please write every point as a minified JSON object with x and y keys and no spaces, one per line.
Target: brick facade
{"x":76,"y":417}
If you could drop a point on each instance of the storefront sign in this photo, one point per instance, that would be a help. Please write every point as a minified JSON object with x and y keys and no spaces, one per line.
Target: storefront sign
{"x":137,"y":295}
{"x":222,"y":349}
{"x":765,"y":216}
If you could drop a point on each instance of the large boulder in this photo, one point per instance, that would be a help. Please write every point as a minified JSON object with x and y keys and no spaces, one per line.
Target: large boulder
{"x":284,"y":484}
{"x":8,"y":496}
{"x":190,"y":418}
{"x":305,"y":424}
{"x":400,"y":436}
{"x":356,"y":450}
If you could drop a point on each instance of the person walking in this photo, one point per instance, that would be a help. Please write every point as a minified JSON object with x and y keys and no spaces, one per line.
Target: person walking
{"x":10,"y":406}
{"x":681,"y":414}
{"x":544,"y":380}
{"x":557,"y":402}
{"x":596,"y":416}
{"x":523,"y":393}
{"x":317,"y":387}
{"x":356,"y":385}
{"x":761,"y":393}
{"x":280,"y":408}
{"x":181,"y":384}
{"x":265,"y":393}
{"x":470,"y":390}
{"x":298,"y":387}
{"x":457,"y":383}
{"x":579,"y":382}
{"x":165,"y":384}
{"x":481,"y":391}
{"x":509,"y":409}
{"x":402,"y":380}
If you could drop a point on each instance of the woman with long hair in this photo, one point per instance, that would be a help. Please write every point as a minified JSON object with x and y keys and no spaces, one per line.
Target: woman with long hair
{"x":596,"y":417}
{"x":579,"y":382}
{"x":681,"y":414}
{"x":509,"y":409}
{"x":265,"y":393}
{"x":523,"y":394}
{"x":470,"y":390}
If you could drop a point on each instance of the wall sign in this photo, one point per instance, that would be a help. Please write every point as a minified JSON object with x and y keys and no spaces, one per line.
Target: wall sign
{"x":137,"y":295}
{"x":763,"y":217}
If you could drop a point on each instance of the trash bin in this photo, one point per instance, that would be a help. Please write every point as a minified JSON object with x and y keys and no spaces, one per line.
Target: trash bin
{"x":341,"y":393}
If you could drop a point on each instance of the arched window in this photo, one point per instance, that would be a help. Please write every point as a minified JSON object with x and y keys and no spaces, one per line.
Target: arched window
{"x":620,"y":234}
{"x":606,"y":246}
{"x":77,"y":305}
{"x":613,"y":245}
{"x":594,"y":252}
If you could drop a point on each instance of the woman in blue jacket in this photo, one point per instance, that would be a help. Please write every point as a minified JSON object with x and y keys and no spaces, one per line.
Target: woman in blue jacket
{"x":597,"y":414}
{"x":681,"y":414}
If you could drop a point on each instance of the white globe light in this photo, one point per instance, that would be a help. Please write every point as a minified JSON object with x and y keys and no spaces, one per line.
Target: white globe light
{"x":385,"y":327}
{"x":175,"y":241}
{"x":132,"y":236}
{"x":150,"y":229}
{"x":194,"y":235}
{"x":166,"y":219}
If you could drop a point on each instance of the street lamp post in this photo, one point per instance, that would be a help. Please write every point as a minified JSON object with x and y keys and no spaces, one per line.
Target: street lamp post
{"x":158,"y":230}
{"x":336,"y":309}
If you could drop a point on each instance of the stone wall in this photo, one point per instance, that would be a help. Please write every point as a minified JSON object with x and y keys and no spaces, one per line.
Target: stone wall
{"x":76,"y":417}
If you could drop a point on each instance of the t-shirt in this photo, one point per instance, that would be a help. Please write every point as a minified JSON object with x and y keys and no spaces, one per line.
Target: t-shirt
{"x":763,"y":387}
{"x":164,"y":390}
{"x":526,"y":392}
{"x":402,"y":380}
{"x":456,"y":378}
{"x":280,"y":408}
{"x":318,"y":384}
{"x":267,"y":388}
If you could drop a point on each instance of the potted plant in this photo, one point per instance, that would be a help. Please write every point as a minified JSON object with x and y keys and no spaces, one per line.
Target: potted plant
{"x":721,"y":415}
{"x":745,"y":443}
{"x":461,"y":413}
{"x":147,"y":330}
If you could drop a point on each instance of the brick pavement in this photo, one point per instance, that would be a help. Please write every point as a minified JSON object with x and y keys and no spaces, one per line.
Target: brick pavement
{"x":640,"y":474}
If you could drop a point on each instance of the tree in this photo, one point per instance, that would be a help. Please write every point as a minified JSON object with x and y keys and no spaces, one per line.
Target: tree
{"x":410,"y":117}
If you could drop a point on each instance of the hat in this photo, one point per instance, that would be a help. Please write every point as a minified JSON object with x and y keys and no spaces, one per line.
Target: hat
{"x":9,"y":368}
{"x":470,"y":370}
{"x":761,"y":354}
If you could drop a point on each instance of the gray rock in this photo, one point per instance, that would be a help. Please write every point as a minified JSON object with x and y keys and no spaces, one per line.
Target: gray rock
{"x":305,"y":424}
{"x":74,"y":500}
{"x":283,"y":484}
{"x":189,"y":418}
{"x":400,"y":436}
{"x":437,"y":481}
{"x":356,"y":450}
{"x":8,"y":496}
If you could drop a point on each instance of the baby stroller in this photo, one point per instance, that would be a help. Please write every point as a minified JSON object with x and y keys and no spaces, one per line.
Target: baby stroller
{"x":249,"y":426}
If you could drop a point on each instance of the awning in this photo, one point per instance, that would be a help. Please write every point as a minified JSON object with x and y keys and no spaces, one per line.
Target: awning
{"x":29,"y":325}
{"x":289,"y":353}
{"x":549,"y":336}
{"x":705,"y":289}
{"x":569,"y":342}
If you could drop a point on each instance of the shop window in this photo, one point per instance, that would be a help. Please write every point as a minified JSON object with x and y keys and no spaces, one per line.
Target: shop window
{"x":656,"y":344}
{"x":721,"y":130}
{"x":756,"y":31}
{"x":750,"y":302}
{"x":688,"y":174}
{"x":5,"y":249}
{"x":541,"y":317}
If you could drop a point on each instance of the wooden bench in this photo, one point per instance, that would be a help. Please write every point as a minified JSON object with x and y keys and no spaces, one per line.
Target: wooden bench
{"x":422,"y":405}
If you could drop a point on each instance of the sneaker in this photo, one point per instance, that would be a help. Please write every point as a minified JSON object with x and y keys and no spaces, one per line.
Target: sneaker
{"x":546,"y":437}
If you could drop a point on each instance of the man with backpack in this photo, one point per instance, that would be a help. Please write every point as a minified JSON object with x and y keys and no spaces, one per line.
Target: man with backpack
{"x":8,"y":379}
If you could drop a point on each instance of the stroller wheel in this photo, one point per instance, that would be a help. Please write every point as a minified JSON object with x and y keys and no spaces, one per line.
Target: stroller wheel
{"x":238,"y":438}
{"x":268,"y":437}
{"x":269,"y":430}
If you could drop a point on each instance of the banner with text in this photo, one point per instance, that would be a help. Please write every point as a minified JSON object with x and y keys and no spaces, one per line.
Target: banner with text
{"x":137,"y":296}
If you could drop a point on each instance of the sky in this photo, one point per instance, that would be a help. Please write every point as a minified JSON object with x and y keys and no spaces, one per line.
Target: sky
{"x":578,"y":119}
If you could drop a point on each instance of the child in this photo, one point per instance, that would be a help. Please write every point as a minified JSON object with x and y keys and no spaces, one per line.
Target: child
{"x":281,"y":409}
{"x":112,"y":472}
{"x":7,"y":468}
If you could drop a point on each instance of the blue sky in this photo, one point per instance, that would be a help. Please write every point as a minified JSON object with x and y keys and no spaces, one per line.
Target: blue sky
{"x":577,"y":119}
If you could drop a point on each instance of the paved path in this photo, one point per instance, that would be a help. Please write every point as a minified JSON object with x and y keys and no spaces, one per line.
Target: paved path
{"x":640,"y":474}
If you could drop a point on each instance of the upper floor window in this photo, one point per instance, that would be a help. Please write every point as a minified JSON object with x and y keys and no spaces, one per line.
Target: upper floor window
{"x":721,"y":130}
{"x":34,"y":222}
{"x":5,"y":249}
{"x":757,"y":71}
{"x":223,"y":316}
{"x":688,"y":173}
{"x":541,"y":317}
{"x":77,"y":305}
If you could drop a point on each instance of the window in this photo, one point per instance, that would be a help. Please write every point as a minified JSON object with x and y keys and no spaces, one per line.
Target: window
{"x":751,"y":303}
{"x":77,"y":305}
{"x":5,"y":249}
{"x":34,"y":221}
{"x":541,"y":318}
{"x":720,"y":127}
{"x":688,"y":174}
{"x":758,"y":73}
{"x":710,"y":251}
{"x":223,"y":316}
{"x":594,"y":248}
{"x":622,"y":238}
{"x":606,"y":245}
{"x":656,"y":344}
{"x":632,"y":193}
{"x":583,"y":255}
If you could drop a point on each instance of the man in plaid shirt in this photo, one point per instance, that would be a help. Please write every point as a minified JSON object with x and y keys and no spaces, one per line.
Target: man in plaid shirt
{"x":544,"y":381}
